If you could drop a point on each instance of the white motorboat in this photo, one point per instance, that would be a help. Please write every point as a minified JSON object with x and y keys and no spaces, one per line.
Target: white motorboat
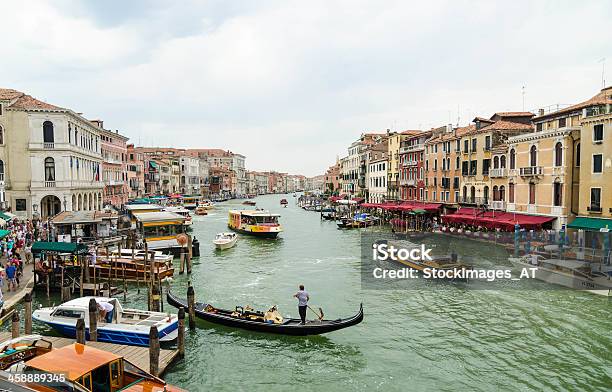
{"x":121,"y":326}
{"x":225,"y":240}
{"x":575,"y":274}
{"x":181,"y":211}
{"x":139,"y":254}
{"x":207,"y":204}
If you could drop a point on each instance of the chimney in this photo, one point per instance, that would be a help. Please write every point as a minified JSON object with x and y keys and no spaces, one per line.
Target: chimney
{"x":449,"y":128}
{"x":477,"y":124}
{"x":540,"y":112}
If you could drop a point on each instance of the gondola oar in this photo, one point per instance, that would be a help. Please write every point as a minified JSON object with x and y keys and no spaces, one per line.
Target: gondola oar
{"x":319,"y":316}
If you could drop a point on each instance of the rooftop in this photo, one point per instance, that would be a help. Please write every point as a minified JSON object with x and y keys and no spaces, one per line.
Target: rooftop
{"x":602,"y":98}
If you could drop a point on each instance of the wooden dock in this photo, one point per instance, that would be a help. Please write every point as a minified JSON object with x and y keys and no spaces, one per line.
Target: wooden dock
{"x":139,"y":356}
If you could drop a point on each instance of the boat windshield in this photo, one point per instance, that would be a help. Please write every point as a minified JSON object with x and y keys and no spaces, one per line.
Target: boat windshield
{"x":263,"y":219}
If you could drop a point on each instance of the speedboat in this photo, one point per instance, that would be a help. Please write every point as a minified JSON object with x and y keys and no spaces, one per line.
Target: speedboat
{"x":139,"y":254}
{"x":575,"y":274}
{"x":206,"y":204}
{"x":249,"y":203}
{"x":225,"y":240}
{"x":200,"y":210}
{"x":121,"y":326}
{"x":284,"y":202}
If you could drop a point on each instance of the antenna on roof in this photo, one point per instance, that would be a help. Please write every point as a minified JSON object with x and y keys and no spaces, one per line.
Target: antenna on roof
{"x":458,"y":115}
{"x":603,"y":72}
{"x":523,"y":94}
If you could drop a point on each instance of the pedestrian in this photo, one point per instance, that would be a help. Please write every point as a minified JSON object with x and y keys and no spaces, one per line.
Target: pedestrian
{"x":11,"y":276}
{"x":303,"y":298}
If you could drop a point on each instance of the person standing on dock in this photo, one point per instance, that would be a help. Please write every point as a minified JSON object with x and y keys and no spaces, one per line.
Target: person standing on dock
{"x":303,"y":298}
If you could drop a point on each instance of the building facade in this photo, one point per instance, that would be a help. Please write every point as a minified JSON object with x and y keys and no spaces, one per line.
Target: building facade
{"x":114,"y":166}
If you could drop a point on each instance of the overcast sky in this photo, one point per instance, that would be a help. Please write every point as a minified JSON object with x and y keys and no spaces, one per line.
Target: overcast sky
{"x":290,"y":84}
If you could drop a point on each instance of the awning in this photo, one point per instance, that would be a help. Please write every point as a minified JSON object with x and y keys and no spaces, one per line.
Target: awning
{"x":153,"y":164}
{"x":5,"y":217}
{"x":4,"y":233}
{"x":59,"y":247}
{"x":593,"y":224}
{"x":497,"y":220}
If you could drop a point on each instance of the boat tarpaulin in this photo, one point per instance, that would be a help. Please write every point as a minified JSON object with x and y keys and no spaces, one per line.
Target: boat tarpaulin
{"x":59,"y":247}
{"x":592,"y":224}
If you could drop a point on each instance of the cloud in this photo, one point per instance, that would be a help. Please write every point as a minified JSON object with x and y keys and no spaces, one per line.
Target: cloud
{"x":290,"y":84}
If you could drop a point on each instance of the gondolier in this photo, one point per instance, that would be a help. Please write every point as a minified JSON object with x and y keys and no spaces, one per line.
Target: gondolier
{"x":303,"y":298}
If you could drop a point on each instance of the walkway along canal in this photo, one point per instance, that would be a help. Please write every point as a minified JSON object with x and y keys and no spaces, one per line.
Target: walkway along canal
{"x":440,"y":336}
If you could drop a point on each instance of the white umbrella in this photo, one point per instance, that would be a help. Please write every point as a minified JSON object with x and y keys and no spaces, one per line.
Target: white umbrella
{"x":2,"y":222}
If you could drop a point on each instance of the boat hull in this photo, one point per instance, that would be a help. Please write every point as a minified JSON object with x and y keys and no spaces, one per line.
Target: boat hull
{"x":288,"y":327}
{"x":260,"y":234}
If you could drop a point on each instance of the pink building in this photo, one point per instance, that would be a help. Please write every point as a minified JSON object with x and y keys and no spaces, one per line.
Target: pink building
{"x":114,"y":166}
{"x":135,"y":172}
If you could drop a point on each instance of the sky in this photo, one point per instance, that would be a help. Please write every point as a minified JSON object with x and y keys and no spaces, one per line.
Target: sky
{"x":290,"y":84}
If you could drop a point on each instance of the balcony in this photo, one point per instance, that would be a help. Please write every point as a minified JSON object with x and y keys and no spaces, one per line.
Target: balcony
{"x":48,"y":145}
{"x":414,"y":147}
{"x":49,"y":184}
{"x":115,"y":182}
{"x":497,"y":173}
{"x":497,"y":205}
{"x":408,"y":182}
{"x":473,"y":200}
{"x":531,"y":171}
{"x":594,"y":209}
{"x":410,"y":163}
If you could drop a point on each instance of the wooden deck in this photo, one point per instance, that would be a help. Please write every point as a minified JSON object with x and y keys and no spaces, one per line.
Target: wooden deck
{"x":139,"y":356}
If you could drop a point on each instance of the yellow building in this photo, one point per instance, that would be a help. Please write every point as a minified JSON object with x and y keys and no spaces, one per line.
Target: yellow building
{"x":477,"y":157}
{"x":394,"y":142}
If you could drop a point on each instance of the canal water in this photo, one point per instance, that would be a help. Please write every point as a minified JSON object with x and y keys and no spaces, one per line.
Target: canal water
{"x":445,"y":338}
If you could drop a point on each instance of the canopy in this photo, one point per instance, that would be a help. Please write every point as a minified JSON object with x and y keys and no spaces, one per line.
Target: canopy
{"x":5,"y":216}
{"x":497,"y":219}
{"x":4,"y":233}
{"x":59,"y":247}
{"x":592,"y":224}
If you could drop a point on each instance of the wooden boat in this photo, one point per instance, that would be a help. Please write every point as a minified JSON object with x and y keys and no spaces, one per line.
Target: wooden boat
{"x":225,"y":240}
{"x":249,"y":203}
{"x":139,"y":254}
{"x":262,"y":322}
{"x":358,"y":221}
{"x":259,"y":223}
{"x":83,"y":367}
{"x":284,"y":203}
{"x":122,"y":326}
{"x":206,"y":204}
{"x":200,"y":210}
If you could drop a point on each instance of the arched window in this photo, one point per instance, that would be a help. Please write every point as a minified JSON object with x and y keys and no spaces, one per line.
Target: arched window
{"x":1,"y":170}
{"x":473,"y":194}
{"x":496,"y":162}
{"x":557,"y":192}
{"x":512,"y":159}
{"x":502,"y":193}
{"x":486,"y":195}
{"x":1,"y":135}
{"x":502,"y":162}
{"x":577,"y":161}
{"x":49,"y":169}
{"x":495,"y":193}
{"x":558,"y":154}
{"x":511,"y":192}
{"x":48,"y":132}
{"x":533,"y":156}
{"x":464,"y":193}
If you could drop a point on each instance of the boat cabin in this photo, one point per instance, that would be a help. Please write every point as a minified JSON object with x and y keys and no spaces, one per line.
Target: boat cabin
{"x":84,"y":225}
{"x":256,"y":222}
{"x":133,"y":210}
{"x":161,"y":229}
{"x":92,"y":369}
{"x":191,"y":201}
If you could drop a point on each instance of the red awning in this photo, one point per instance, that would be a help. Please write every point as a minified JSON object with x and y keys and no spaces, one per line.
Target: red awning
{"x":358,"y":199}
{"x":497,"y":219}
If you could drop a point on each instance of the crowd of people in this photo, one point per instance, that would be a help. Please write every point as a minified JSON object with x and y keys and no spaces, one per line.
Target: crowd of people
{"x":16,"y":247}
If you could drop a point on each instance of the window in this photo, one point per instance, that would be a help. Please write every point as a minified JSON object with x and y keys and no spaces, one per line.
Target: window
{"x":1,"y":135}
{"x":436,"y":147}
{"x":474,"y":143}
{"x":495,"y":162}
{"x":595,"y":200}
{"x":562,"y":122}
{"x":49,"y":169}
{"x":577,"y":161}
{"x":487,"y":143}
{"x":511,"y":192}
{"x":597,"y":167}
{"x":533,"y":156}
{"x":68,"y":313}
{"x":598,"y":133}
{"x":464,"y":192}
{"x":486,"y":194}
{"x":512,"y":159}
{"x":486,"y":163}
{"x":466,"y":145}
{"x":458,"y":146}
{"x":532,"y":193}
{"x":473,"y":168}
{"x":20,"y":205}
{"x":502,"y":193}
{"x":435,"y":165}
{"x":465,"y":168}
{"x":558,"y":154}
{"x":457,"y":163}
{"x":0,"y":109}
{"x":48,"y":132}
{"x":495,"y":193}
{"x":502,"y":162}
{"x":115,"y":373}
{"x":557,"y":193}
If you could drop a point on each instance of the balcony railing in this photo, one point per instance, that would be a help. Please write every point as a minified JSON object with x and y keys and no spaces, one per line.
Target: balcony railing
{"x":499,"y":172}
{"x":48,"y":145}
{"x":473,"y":200}
{"x":497,"y":205}
{"x":408,"y":182}
{"x":414,"y":147}
{"x":49,"y":184}
{"x":1,"y":177}
{"x":531,"y":171}
{"x":595,"y":209}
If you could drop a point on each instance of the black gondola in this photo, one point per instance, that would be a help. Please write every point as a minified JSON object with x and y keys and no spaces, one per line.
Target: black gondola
{"x":287,"y":327}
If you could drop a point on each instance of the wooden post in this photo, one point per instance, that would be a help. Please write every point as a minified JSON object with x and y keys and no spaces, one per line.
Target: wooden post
{"x":191,"y":305}
{"x":47,"y":278}
{"x":188,"y":261}
{"x":154,"y":351}
{"x":110,"y":272}
{"x":189,"y":246}
{"x":145,"y":261}
{"x":161,"y":292}
{"x":182,"y":258}
{"x":80,"y":258}
{"x":124,"y":282}
{"x":65,"y":293}
{"x":62,"y":285}
{"x":95,"y":283}
{"x":93,"y":320}
{"x":15,"y":325}
{"x":80,"y":330}
{"x":181,"y":332}
{"x":155,"y":297}
{"x":28,"y":314}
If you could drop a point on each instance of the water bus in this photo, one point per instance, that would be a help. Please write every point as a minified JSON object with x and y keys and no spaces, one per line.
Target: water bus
{"x":190,"y":202}
{"x":181,"y":211}
{"x":161,"y":231}
{"x":259,"y":223}
{"x":133,"y":210}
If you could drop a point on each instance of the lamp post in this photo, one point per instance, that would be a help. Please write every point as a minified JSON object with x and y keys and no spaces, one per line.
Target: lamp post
{"x":64,"y":202}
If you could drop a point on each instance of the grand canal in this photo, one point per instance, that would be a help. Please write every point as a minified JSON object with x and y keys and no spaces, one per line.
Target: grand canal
{"x":440,"y":338}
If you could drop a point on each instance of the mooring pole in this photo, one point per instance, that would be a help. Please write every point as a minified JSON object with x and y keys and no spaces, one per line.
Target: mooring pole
{"x":191,"y":305}
{"x":15,"y":325}
{"x":80,"y":331}
{"x":181,"y":332}
{"x":28,"y":314}
{"x":154,"y":351}
{"x":93,"y":320}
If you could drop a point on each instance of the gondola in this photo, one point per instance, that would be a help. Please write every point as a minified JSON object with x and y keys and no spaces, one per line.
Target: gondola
{"x":253,"y":321}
